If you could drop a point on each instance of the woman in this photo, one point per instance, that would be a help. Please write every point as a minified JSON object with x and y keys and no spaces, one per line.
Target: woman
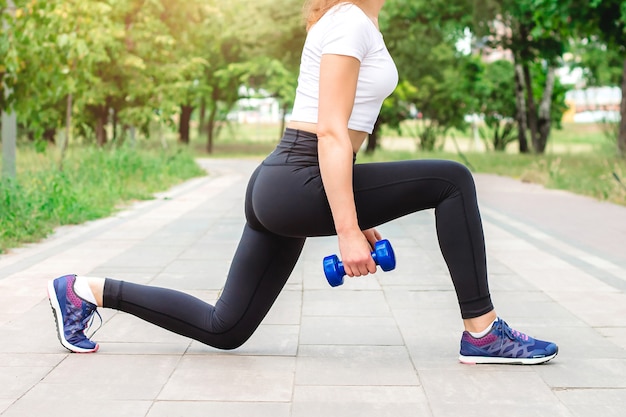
{"x":346,"y":72}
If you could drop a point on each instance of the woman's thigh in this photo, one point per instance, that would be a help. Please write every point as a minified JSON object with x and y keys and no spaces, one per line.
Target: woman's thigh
{"x":387,"y":191}
{"x":291,"y":201}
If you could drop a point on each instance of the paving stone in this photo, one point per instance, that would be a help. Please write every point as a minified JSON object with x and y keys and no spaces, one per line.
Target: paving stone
{"x":345,"y":303}
{"x":475,"y":391}
{"x":349,"y":331}
{"x":15,"y":381}
{"x":64,"y":404}
{"x":354,"y":365}
{"x":215,"y":408}
{"x":585,"y":402}
{"x":108,"y":377}
{"x":5,"y":404}
{"x":360,"y":401}
{"x":617,"y":335}
{"x":585,"y":372}
{"x":231,"y":378}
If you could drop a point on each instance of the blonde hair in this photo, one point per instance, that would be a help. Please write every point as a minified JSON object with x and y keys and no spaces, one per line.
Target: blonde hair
{"x":315,"y":9}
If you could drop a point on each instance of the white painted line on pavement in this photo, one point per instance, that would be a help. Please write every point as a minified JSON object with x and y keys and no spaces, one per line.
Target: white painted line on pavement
{"x":558,"y":244}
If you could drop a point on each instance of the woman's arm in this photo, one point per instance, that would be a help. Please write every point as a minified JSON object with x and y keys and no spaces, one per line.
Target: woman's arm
{"x":337,"y":90}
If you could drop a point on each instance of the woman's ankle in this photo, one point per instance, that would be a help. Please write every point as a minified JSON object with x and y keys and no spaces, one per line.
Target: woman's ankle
{"x":481,"y":323}
{"x":97,"y":288}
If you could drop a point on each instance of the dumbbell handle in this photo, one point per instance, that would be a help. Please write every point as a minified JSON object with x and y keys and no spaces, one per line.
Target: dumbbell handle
{"x":383,"y":256}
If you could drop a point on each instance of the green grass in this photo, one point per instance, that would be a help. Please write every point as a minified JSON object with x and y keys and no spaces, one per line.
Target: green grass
{"x":93,"y":184}
{"x":582,"y":133}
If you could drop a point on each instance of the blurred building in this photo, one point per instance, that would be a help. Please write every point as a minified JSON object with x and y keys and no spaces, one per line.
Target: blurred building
{"x":594,"y":104}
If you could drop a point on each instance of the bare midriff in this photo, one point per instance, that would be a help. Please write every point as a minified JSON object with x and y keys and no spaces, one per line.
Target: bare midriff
{"x":357,"y":137}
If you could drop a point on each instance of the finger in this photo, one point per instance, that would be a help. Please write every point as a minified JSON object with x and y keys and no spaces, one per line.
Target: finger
{"x":367,"y":267}
{"x":347,"y":270}
{"x":357,"y":271}
{"x":353,"y":272}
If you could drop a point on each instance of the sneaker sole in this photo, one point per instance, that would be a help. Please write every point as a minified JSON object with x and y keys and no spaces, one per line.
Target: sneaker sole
{"x":58,"y":318}
{"x":478,"y":360}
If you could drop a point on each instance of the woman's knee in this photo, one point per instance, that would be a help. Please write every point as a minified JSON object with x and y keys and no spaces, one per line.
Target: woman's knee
{"x":460,"y":176}
{"x":229,"y":342}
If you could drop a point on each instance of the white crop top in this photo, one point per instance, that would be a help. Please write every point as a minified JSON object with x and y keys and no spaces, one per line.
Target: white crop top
{"x":346,"y":30}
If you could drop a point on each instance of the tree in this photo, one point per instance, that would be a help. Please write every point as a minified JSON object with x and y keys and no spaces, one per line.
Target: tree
{"x":224,"y":49}
{"x":421,"y":36}
{"x":75,"y":59}
{"x":271,"y":76}
{"x":58,"y":47}
{"x":600,"y":22}
{"x":526,"y":28}
{"x":395,"y":109}
{"x":193,"y":26}
{"x":276,"y":46}
{"x":597,"y":22}
{"x":498,"y":104}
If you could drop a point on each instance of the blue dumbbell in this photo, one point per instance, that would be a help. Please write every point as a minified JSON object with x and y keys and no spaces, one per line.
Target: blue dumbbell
{"x":383,"y":256}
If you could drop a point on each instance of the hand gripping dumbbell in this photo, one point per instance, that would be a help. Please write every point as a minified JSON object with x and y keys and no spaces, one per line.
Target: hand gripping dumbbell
{"x":383,"y":256}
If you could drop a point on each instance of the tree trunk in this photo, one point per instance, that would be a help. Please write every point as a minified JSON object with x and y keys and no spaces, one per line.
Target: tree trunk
{"x":101,"y":134}
{"x":530,"y":102}
{"x":497,"y":138}
{"x":49,"y":135}
{"x":544,"y":121}
{"x":201,"y":117}
{"x":372,"y":139}
{"x":521,"y":109}
{"x":183,"y":125}
{"x":211,"y":128}
{"x":100,"y":112}
{"x":621,"y":140}
{"x":114,"y":122}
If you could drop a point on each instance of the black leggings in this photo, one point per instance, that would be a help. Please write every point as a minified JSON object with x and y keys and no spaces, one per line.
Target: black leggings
{"x":286,"y":203}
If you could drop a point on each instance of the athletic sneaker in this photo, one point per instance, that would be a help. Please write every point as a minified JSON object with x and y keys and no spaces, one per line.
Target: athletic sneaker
{"x":505,"y":345}
{"x":72,"y":315}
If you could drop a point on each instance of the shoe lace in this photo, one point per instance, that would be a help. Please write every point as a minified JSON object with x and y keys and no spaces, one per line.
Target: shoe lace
{"x":87,"y":322}
{"x":512,"y":334}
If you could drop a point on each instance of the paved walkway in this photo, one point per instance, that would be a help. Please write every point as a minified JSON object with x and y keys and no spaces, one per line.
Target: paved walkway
{"x":378,"y":346}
